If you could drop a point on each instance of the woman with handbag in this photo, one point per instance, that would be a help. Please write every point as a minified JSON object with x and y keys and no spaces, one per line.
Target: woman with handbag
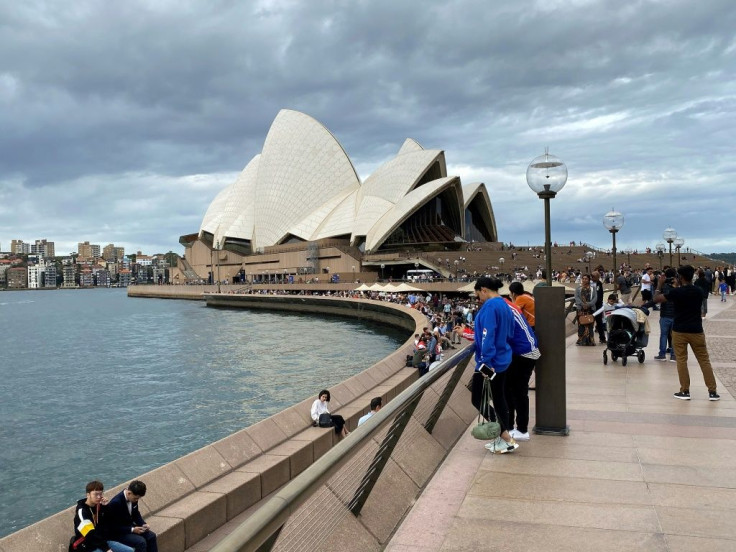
{"x":494,"y":328}
{"x":585,"y":296}
{"x":321,"y":416}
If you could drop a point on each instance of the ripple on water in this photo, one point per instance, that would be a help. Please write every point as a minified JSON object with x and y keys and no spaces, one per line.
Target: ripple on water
{"x":109,"y":387}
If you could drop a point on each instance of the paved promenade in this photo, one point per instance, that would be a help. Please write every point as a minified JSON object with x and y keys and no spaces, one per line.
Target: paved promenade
{"x":640,"y":471}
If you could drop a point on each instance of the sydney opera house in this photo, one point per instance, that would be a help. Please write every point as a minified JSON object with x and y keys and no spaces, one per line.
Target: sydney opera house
{"x":299,"y":210}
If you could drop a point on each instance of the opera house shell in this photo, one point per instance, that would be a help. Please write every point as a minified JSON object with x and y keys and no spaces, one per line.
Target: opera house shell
{"x":303,"y":187}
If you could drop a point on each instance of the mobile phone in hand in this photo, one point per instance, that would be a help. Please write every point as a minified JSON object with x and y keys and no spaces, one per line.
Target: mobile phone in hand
{"x":487,"y":371}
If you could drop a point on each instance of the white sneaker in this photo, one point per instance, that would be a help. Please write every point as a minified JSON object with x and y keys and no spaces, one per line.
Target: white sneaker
{"x":499,"y":446}
{"x":518,"y":435}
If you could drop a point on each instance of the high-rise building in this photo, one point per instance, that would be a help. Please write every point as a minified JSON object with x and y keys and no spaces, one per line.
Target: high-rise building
{"x":44,"y":248}
{"x":19,"y":247}
{"x":113,"y":254}
{"x":88,"y":251}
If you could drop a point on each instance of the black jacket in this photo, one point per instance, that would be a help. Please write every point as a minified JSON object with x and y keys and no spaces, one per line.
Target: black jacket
{"x":86,"y":523}
{"x":117,"y":519}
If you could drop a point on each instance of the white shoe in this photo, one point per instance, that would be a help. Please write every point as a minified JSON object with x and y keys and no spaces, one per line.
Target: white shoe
{"x":499,"y":446}
{"x":517,"y":435}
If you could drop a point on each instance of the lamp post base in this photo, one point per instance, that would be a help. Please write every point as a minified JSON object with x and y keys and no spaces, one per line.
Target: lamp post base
{"x":556,"y":431}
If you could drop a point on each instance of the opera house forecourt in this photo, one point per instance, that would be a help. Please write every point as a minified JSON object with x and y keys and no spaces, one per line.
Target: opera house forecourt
{"x":298,"y":210}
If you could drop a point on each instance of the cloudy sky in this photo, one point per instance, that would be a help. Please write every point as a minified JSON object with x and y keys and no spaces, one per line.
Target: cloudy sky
{"x":120,"y":121}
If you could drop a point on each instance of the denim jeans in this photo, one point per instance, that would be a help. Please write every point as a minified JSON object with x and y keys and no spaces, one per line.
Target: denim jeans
{"x":665,"y":326}
{"x":116,"y":547}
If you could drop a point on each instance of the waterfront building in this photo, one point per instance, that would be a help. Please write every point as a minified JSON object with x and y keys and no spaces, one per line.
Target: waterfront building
{"x":86,"y":278}
{"x":102,"y":278}
{"x":5,"y":264}
{"x":298,"y":208}
{"x":159,"y":275}
{"x":35,"y":276}
{"x":49,"y":275}
{"x":124,"y":277}
{"x":70,"y":275}
{"x":17,"y":277}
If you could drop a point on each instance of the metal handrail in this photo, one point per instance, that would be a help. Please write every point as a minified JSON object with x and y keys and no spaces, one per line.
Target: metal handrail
{"x":260,"y":531}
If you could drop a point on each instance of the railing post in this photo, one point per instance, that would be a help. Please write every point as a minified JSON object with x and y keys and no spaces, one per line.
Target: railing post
{"x":381,"y":458}
{"x":446,"y":394}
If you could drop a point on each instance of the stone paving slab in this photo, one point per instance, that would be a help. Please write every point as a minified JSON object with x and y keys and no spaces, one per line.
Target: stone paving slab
{"x":640,"y":471}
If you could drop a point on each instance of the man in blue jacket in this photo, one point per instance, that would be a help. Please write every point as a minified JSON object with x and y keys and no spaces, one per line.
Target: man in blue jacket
{"x":494,"y":328}
{"x":124,"y":522}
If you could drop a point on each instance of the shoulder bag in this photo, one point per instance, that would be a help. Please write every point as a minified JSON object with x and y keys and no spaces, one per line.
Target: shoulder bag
{"x":584,"y":319}
{"x":485,"y":431}
{"x":325,"y":420}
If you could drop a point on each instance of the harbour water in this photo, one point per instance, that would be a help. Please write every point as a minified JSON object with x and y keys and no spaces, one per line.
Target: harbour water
{"x":96,"y":385}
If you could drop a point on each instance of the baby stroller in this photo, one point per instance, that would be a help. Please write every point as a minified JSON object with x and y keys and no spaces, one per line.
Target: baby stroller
{"x":627,"y":336}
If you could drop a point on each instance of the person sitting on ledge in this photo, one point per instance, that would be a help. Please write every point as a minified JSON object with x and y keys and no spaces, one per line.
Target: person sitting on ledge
{"x":376,"y":403}
{"x":124,"y":522}
{"x":88,"y":517}
{"x":321,"y":416}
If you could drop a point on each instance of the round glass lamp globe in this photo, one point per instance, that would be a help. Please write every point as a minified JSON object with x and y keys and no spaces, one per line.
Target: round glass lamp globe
{"x":669,"y":234}
{"x":546,"y":173}
{"x":679,"y":242}
{"x":613,"y":221}
{"x":660,"y":247}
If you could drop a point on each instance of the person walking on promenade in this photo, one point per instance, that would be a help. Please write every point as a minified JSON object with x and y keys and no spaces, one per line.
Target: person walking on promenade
{"x":666,"y":319}
{"x":124,"y":522}
{"x":687,"y":329}
{"x":585,"y":300}
{"x":89,"y":517}
{"x":723,"y":288}
{"x":623,"y":285}
{"x":494,"y":327}
{"x":703,"y":283}
{"x":600,"y":323}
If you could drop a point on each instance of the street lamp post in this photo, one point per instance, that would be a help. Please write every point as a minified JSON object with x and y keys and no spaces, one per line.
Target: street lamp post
{"x":588,"y":257}
{"x":669,"y":236}
{"x":353,"y":273}
{"x":382,"y":267}
{"x":456,"y":273}
{"x":679,"y":242}
{"x":501,"y":260}
{"x":613,"y":221}
{"x":660,"y":253}
{"x":546,"y":175}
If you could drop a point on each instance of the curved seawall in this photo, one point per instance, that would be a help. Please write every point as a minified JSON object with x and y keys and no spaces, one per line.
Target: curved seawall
{"x":192,"y":496}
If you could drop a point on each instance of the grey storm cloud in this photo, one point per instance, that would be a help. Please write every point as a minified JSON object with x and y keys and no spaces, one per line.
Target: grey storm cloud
{"x":147,"y":109}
